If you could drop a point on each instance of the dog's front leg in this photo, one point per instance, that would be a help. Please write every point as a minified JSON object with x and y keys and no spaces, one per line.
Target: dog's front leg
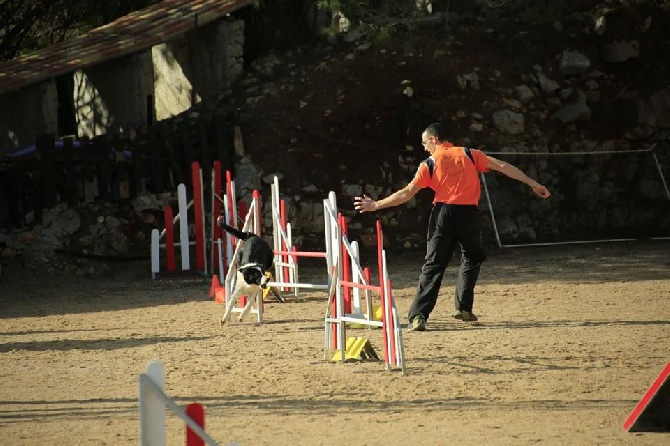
{"x":250,"y":303}
{"x":230,"y":304}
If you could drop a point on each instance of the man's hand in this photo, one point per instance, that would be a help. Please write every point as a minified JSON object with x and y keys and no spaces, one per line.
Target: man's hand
{"x":541,"y":191}
{"x":365,"y":204}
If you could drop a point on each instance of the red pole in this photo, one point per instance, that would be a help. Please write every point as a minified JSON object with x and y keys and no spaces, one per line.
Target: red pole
{"x":346,"y":267}
{"x":199,"y":216}
{"x":284,"y":258}
{"x":368,"y":280}
{"x":380,"y":266}
{"x":384,"y":327}
{"x":216,"y":211}
{"x":256,"y":196}
{"x":197,"y":414}
{"x":380,"y":248}
{"x":169,"y":239}
{"x":391,"y":323}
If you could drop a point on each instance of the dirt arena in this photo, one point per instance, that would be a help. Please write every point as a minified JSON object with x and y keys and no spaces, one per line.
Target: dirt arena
{"x":569,"y":340}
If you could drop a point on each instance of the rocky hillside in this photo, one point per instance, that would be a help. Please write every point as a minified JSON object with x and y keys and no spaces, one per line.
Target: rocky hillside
{"x":347,"y":116}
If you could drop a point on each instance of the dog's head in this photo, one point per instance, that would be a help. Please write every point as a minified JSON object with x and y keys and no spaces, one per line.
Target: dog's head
{"x":254,"y":275}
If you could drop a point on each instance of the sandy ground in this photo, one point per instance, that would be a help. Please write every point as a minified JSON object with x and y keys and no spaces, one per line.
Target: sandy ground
{"x":569,"y":340}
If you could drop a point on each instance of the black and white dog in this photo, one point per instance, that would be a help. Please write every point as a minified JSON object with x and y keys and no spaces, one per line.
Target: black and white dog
{"x":254,"y":259}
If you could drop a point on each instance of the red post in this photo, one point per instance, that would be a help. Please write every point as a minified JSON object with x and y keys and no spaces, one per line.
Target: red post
{"x":230,"y":193}
{"x":284,"y":246}
{"x":198,"y":216}
{"x":384,"y":327}
{"x":368,"y":280}
{"x":346,"y":266}
{"x":380,"y":249}
{"x":391,"y":323}
{"x":169,"y":239}
{"x":216,"y":211}
{"x":256,"y":196}
{"x":197,"y":414}
{"x":380,"y":265}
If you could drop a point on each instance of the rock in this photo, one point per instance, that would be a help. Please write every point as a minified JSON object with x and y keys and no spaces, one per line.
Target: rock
{"x":548,"y":86}
{"x":573,"y":113}
{"x":524,"y":93}
{"x":656,"y":112}
{"x":617,"y":52}
{"x":509,"y":122}
{"x":573,"y":63}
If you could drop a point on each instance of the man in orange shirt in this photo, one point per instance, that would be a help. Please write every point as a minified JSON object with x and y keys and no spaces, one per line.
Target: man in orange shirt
{"x":453,"y":173}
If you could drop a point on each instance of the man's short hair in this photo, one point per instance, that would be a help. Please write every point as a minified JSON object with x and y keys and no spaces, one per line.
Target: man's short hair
{"x":437,"y":130}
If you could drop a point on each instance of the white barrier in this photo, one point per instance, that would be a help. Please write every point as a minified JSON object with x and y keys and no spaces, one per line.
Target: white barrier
{"x":213,"y":242}
{"x":340,"y":306}
{"x":286,"y":255}
{"x":152,"y":403}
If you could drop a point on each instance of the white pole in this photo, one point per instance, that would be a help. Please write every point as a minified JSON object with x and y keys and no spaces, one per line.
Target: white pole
{"x":219,"y":247}
{"x":183,"y":227}
{"x":596,"y":152}
{"x":660,"y":172}
{"x":155,"y":253}
{"x":233,"y":200}
{"x":328,"y":239}
{"x":152,"y":408}
{"x":227,"y":237}
{"x":341,"y":325}
{"x":202,"y":225}
{"x":356,"y":278}
{"x":293,"y":263}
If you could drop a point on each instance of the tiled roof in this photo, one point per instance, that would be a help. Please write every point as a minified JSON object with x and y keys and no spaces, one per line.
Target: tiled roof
{"x":134,"y":32}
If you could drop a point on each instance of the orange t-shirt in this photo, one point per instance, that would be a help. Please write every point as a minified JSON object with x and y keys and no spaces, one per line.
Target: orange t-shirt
{"x":455,"y":177}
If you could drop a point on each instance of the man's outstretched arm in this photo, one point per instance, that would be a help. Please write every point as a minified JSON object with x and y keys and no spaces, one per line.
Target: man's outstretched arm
{"x":367,"y":204}
{"x":516,"y":173}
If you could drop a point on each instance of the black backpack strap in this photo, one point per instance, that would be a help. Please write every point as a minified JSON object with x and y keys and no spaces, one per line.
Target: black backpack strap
{"x":468,"y":152}
{"x":430,"y":163}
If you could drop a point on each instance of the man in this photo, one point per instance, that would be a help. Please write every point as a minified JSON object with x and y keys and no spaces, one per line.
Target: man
{"x":452,"y":172}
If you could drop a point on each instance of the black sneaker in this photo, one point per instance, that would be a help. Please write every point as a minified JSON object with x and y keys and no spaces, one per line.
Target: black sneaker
{"x":465,"y":316}
{"x":418,"y":323}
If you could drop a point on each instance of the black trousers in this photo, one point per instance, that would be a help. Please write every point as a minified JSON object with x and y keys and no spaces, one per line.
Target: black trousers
{"x":448,"y":225}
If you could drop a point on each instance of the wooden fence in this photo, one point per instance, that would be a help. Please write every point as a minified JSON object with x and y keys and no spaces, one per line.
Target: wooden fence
{"x":109,"y":167}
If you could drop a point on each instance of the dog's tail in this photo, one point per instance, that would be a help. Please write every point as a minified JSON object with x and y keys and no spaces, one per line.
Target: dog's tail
{"x":242,"y":235}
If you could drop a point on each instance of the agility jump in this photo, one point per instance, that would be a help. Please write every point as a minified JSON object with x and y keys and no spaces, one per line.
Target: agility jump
{"x":339,"y":310}
{"x":152,"y":403}
{"x":286,"y":262}
{"x":163,"y":242}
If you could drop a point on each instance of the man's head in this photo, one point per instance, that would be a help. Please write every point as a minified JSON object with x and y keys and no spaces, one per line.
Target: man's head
{"x":433,"y":135}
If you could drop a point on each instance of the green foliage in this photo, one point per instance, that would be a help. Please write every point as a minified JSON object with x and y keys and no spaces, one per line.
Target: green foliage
{"x":27,"y":26}
{"x":377,"y":19}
